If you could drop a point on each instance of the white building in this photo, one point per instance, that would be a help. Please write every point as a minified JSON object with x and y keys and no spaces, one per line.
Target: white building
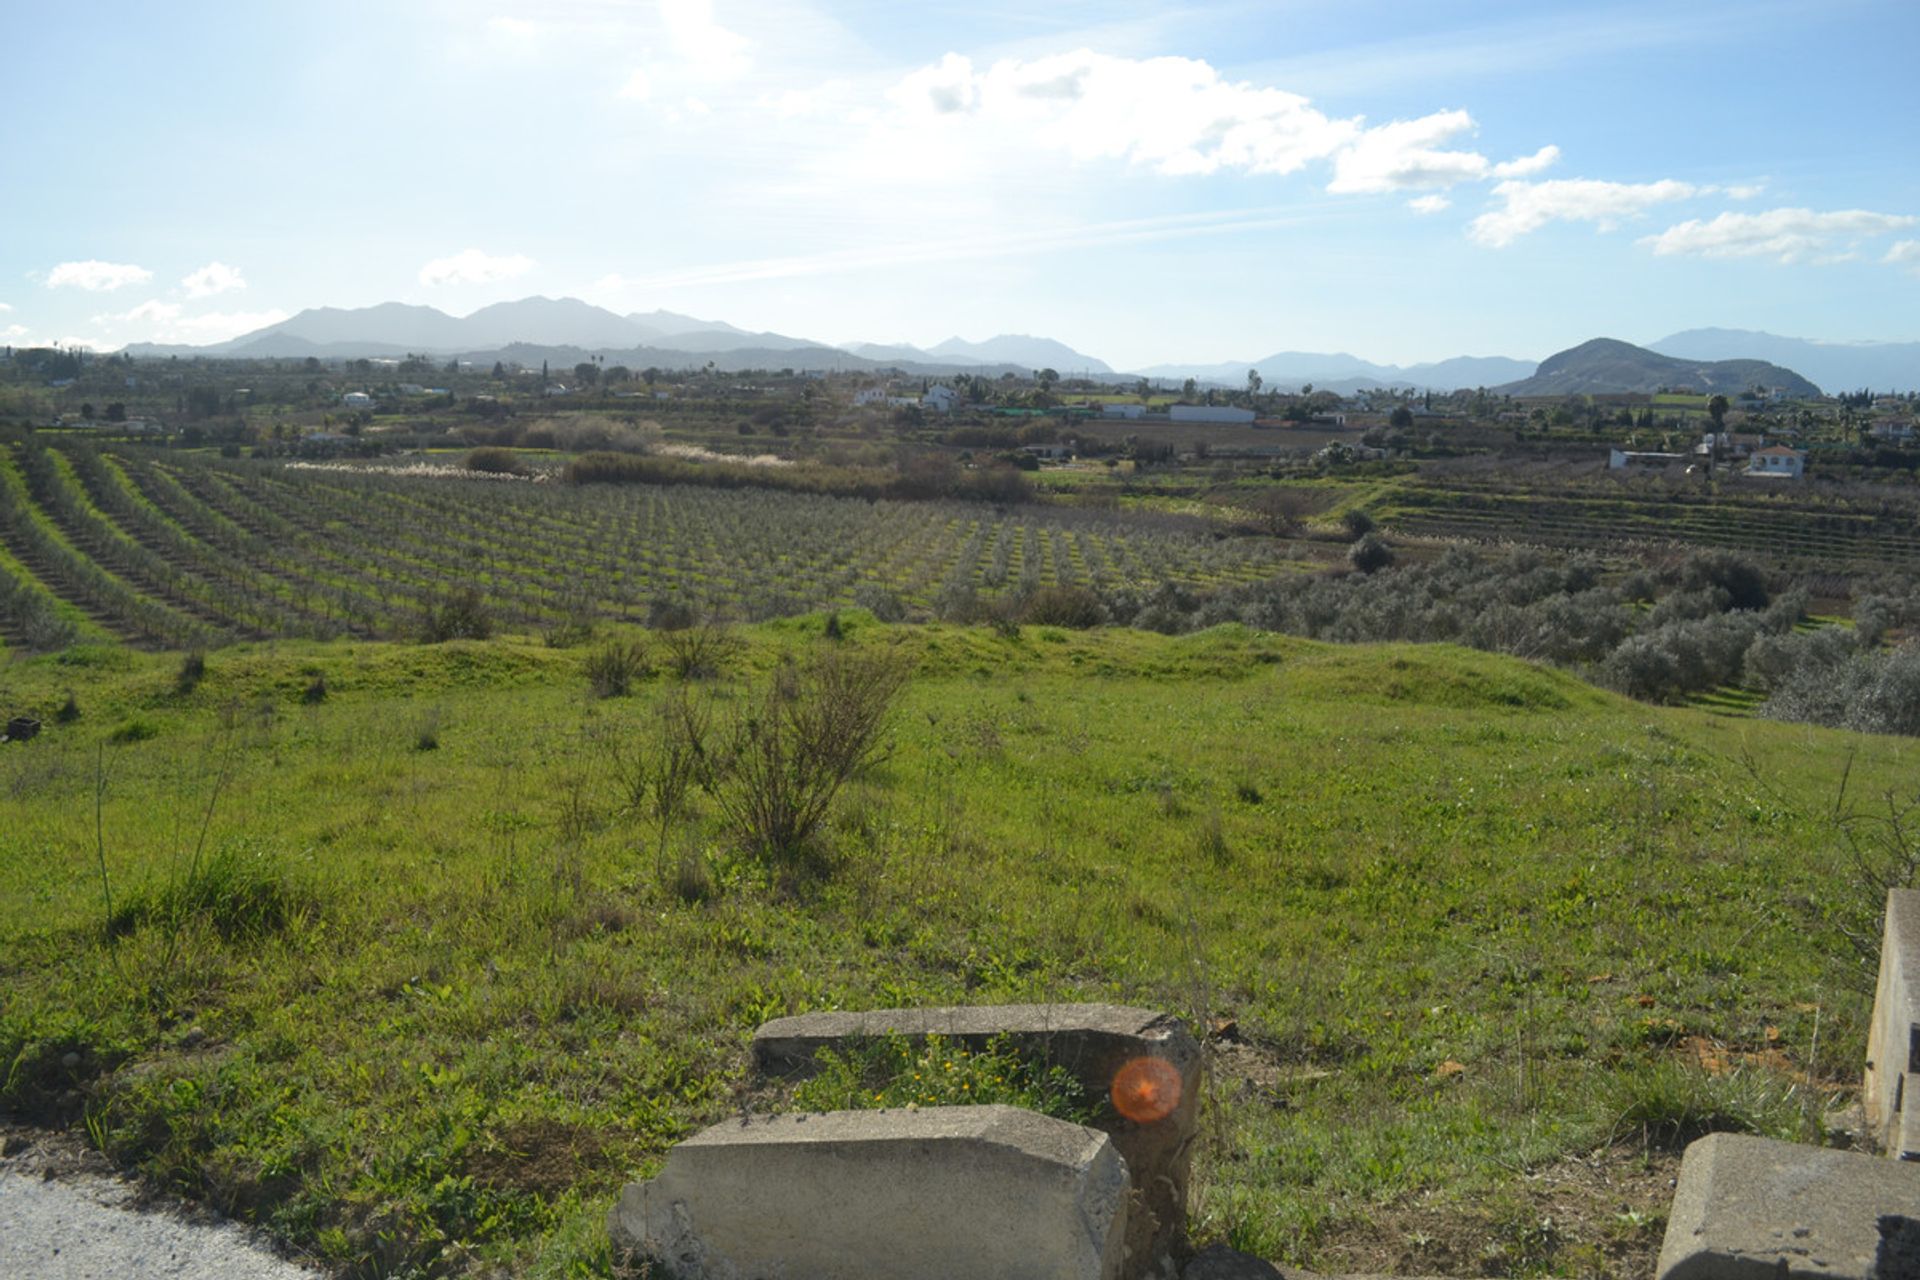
{"x":1777,"y":462}
{"x":941,"y":399}
{"x":357,"y":400}
{"x":870,"y":395}
{"x":1629,"y":459}
{"x":1209,"y":413}
{"x":1892,"y":432}
{"x":1129,"y":411}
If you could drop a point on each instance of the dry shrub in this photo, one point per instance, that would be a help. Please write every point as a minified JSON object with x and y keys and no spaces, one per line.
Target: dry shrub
{"x":795,"y":744}
{"x":700,"y":652}
{"x":617,"y":666}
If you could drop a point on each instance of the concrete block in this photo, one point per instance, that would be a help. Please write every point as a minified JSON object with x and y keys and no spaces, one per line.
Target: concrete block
{"x":884,"y":1195}
{"x":1755,"y":1209}
{"x":1893,"y":1037}
{"x":1096,"y":1042}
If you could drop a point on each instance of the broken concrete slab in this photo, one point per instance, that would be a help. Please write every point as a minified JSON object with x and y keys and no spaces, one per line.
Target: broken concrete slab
{"x":1750,"y":1208}
{"x":884,"y":1195}
{"x":1893,"y":1037}
{"x":1097,"y":1043}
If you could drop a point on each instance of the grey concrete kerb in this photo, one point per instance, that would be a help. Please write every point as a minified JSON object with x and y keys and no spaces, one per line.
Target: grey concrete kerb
{"x":1750,"y":1208}
{"x":1093,"y":1042}
{"x":884,"y":1195}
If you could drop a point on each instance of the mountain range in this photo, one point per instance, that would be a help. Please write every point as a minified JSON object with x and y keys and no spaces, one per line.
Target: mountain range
{"x":567,"y":330}
{"x":1836,"y":366}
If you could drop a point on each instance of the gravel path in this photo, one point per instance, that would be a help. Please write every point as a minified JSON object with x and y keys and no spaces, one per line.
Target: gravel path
{"x":63,"y":1217}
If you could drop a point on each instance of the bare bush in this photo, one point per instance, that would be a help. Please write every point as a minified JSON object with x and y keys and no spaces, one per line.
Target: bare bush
{"x":788,"y":752}
{"x":700,"y":652}
{"x":1279,"y":512}
{"x":1073,"y":607}
{"x":460,"y":614}
{"x":496,"y":461}
{"x":616,"y":666}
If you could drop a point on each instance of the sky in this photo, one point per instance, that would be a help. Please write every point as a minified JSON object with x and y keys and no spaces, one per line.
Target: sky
{"x":1145,"y":182}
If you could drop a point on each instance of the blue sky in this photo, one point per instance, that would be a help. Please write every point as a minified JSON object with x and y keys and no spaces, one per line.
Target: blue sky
{"x":1214,"y":181}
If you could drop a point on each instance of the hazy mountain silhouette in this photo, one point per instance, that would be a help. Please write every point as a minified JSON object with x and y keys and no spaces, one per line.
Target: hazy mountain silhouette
{"x":1338,"y":371}
{"x":1019,"y":349}
{"x":1836,"y":366}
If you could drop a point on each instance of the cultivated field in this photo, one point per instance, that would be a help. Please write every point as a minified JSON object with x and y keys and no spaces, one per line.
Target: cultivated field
{"x":187,"y":549}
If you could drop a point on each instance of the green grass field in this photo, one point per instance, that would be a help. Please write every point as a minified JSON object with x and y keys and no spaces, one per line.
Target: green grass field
{"x":427,"y":991}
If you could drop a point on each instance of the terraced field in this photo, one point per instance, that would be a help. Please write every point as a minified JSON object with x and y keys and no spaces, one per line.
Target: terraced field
{"x":173,"y":549}
{"x":1795,"y":529}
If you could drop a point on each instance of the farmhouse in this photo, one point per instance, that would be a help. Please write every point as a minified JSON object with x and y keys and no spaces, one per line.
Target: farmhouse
{"x":357,"y":400}
{"x":1777,"y":462}
{"x":941,"y":399}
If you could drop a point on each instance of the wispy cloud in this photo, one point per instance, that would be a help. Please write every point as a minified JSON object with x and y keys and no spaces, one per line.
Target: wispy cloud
{"x":960,"y":249}
{"x":215,"y":277}
{"x":160,"y":321}
{"x":1539,"y":41}
{"x":96,"y":276}
{"x":1788,"y":235}
{"x":1904,"y":253}
{"x":1428,"y":205}
{"x":1528,"y":206}
{"x":471,"y":266}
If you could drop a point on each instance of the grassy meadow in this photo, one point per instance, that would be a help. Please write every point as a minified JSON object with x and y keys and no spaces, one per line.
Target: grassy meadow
{"x":367,"y":943}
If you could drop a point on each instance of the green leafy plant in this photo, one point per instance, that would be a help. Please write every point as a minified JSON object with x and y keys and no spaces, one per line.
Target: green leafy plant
{"x":899,"y":1071}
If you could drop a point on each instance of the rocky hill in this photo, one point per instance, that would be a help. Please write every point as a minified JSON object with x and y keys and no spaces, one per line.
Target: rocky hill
{"x":1608,"y":366}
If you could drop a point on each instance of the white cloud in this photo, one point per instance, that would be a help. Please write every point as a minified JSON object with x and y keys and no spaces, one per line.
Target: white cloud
{"x":471,"y":266}
{"x":1528,"y":206}
{"x":638,"y":88}
{"x":13,"y":331}
{"x":96,"y":276}
{"x":154,"y":312}
{"x":5,"y":307}
{"x":1178,"y":116}
{"x":703,"y":45}
{"x":1424,"y":205}
{"x":218,"y":326}
{"x":1172,"y":115}
{"x":1407,"y":154}
{"x":1747,"y":192}
{"x":1790,"y":235}
{"x":215,"y":277}
{"x":1904,"y":253}
{"x":1526,"y":166}
{"x":158,"y":321}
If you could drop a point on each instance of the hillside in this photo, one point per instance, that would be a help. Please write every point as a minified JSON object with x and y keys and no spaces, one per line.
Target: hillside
{"x":1606,"y":366}
{"x":436,"y":986}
